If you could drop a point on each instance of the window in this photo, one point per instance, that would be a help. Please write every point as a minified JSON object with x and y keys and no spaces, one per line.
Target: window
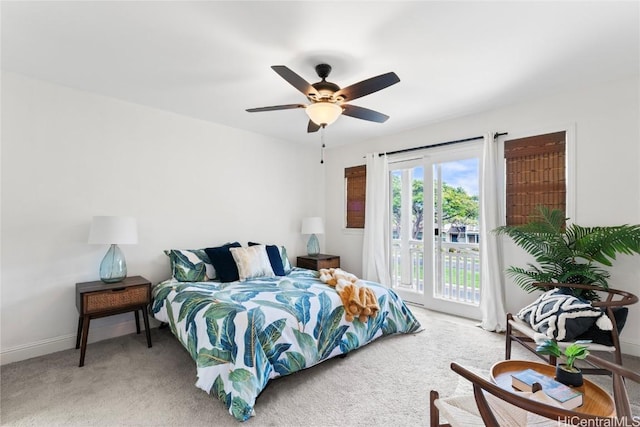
{"x":355,"y":187}
{"x":535,"y":175}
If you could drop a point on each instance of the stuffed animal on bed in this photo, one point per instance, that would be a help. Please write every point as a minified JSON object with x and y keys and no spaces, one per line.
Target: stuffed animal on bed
{"x":358,"y":300}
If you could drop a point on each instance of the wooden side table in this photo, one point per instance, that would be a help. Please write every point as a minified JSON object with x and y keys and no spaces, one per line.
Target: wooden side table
{"x":596,"y":401}
{"x":316,"y":262}
{"x":99,"y":299}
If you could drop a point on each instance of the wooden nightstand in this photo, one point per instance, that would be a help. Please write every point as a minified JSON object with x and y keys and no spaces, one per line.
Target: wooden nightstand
{"x":316,"y":262}
{"x":99,"y":299}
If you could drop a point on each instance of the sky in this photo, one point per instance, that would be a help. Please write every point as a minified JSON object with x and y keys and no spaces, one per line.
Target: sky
{"x":462,"y":173}
{"x":459,"y":173}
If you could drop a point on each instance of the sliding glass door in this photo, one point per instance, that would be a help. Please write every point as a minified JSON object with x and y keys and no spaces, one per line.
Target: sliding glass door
{"x":435,"y":257}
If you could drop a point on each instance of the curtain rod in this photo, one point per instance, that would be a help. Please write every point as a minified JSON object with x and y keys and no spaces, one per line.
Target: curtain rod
{"x":406,"y":150}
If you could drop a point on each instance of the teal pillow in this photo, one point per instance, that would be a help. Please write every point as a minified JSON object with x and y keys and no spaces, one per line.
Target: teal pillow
{"x":190,"y":265}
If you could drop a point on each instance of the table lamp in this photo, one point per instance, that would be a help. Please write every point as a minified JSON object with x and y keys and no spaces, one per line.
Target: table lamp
{"x":313,"y":226}
{"x":113,"y":231}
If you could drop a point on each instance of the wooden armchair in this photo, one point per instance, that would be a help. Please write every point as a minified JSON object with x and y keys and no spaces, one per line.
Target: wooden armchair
{"x":491,"y":405}
{"x":521,"y":332}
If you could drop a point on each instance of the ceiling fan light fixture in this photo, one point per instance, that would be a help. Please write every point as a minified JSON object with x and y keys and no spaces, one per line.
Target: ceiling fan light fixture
{"x":323,"y":113}
{"x":328,"y":100}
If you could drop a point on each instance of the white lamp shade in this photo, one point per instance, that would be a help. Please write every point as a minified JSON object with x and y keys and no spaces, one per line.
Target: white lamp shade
{"x":312,"y":225}
{"x":323,"y":113}
{"x":119,"y":230}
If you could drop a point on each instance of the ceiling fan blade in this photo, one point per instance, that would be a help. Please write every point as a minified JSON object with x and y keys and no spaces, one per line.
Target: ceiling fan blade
{"x":295,"y":80}
{"x":312,"y":127}
{"x":368,"y":86}
{"x":275,"y":107}
{"x":363,"y":113}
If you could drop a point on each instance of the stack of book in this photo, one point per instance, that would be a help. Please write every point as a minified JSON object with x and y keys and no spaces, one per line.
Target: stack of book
{"x":562,"y":395}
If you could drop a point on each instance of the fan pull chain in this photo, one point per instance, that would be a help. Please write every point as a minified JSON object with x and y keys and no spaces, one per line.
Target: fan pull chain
{"x":322,"y":145}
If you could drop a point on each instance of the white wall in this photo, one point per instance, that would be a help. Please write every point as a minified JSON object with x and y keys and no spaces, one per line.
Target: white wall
{"x":68,"y":155}
{"x":606,"y":120}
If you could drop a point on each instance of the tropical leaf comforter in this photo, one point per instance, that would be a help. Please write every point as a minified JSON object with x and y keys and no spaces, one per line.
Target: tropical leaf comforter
{"x":242,"y":334}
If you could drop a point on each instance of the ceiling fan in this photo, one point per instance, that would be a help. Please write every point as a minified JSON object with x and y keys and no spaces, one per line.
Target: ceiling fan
{"x":328,"y":100}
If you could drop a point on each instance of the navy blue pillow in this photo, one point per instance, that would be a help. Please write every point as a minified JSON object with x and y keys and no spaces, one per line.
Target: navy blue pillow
{"x":599,"y":336}
{"x":223,"y":262}
{"x":274,"y":258}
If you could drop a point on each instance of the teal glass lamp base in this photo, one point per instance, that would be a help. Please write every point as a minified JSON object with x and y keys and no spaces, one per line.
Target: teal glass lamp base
{"x":113,"y":267}
{"x":313,"y":246}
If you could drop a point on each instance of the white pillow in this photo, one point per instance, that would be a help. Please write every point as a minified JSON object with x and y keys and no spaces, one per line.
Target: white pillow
{"x":252,"y":261}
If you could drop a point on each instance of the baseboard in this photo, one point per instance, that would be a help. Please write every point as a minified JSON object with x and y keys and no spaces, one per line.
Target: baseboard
{"x":632,"y":349}
{"x":65,"y":342}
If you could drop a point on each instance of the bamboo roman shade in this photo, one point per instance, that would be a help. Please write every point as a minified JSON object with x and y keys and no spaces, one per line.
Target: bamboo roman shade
{"x":356,"y":187}
{"x":535,"y":175}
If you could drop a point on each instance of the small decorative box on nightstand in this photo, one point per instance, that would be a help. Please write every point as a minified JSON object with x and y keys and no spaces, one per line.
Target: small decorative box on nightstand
{"x":99,"y":299}
{"x":316,"y":262}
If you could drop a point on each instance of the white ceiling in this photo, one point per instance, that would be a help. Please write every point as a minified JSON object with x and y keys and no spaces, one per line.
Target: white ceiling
{"x":211,"y":60}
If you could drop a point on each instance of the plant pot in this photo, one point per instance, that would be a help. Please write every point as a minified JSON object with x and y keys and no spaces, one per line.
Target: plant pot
{"x":568,"y":377}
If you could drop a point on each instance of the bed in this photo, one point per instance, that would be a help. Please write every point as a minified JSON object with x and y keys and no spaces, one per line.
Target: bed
{"x":242,"y":334}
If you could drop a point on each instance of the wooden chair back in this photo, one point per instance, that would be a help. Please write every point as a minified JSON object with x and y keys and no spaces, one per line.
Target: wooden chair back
{"x":481,"y":386}
{"x":612,"y":299}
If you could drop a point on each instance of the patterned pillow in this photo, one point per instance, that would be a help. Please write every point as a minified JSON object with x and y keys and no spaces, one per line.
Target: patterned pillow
{"x":285,"y":260}
{"x":599,"y":336}
{"x":252,"y":261}
{"x":563,"y":317}
{"x":273,"y":252}
{"x":190,"y":265}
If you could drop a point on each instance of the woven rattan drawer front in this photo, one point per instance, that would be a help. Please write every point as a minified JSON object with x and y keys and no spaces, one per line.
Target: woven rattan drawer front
{"x":115,"y":298}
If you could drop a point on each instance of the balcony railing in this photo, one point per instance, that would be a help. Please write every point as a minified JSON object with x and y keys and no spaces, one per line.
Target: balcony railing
{"x":413,"y":271}
{"x":457,"y":278}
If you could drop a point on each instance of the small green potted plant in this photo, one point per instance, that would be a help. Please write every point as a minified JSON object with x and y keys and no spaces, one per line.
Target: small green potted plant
{"x":566,"y":373}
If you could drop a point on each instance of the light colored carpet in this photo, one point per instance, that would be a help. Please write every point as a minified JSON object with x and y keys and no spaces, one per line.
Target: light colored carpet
{"x":125,"y":383}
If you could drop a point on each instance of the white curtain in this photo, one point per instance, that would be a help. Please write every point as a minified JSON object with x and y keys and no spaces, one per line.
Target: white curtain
{"x":492,"y":296}
{"x":375,"y":247}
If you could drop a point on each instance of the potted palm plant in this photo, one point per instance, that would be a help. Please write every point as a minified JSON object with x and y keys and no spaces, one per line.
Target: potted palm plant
{"x":566,"y":373}
{"x":568,"y":253}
